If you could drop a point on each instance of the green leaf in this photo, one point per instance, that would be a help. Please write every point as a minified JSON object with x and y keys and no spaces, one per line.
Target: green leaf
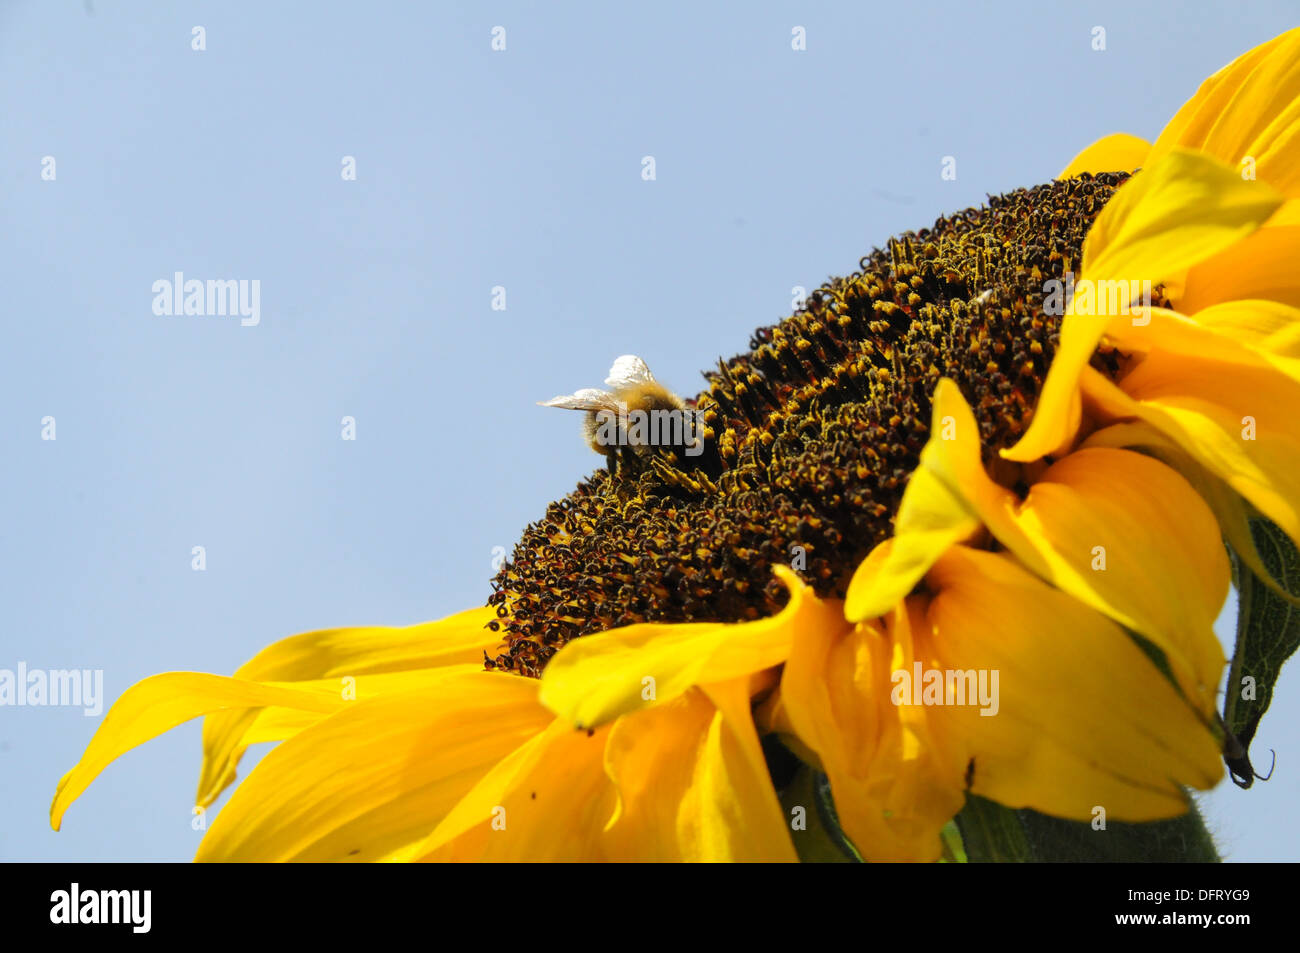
{"x":822,"y":841}
{"x":992,"y":833}
{"x":996,"y":834}
{"x":1182,"y":839}
{"x":1268,"y":633}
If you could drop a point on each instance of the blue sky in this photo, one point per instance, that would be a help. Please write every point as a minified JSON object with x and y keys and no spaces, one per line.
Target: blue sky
{"x":475,"y":169}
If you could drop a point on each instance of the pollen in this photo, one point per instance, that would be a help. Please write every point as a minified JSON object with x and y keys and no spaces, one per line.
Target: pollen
{"x":810,"y":436}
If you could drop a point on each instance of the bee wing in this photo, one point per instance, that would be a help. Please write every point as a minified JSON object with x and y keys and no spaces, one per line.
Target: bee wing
{"x":589,"y":398}
{"x":629,"y":369}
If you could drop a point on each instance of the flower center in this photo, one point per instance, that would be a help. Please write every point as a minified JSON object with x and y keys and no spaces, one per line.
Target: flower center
{"x":811,"y":436}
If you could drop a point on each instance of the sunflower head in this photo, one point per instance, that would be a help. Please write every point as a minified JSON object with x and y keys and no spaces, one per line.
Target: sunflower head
{"x":811,"y":435}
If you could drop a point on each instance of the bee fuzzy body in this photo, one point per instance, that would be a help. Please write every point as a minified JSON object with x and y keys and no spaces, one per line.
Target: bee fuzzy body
{"x":636,"y":418}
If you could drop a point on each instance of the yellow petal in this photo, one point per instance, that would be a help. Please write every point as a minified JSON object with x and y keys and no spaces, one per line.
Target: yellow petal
{"x":693,"y":784}
{"x":1128,"y":536}
{"x":771,"y":717}
{"x":336,"y":653}
{"x":1222,"y":333}
{"x":1083,"y":718}
{"x":652,"y":759}
{"x":1131,"y":538}
{"x":1118,"y":152}
{"x":1255,"y":344}
{"x":1172,"y":215}
{"x":363,"y":650}
{"x":737,"y":815}
{"x":1269,"y":328}
{"x":935,"y":512}
{"x":893,"y":790}
{"x":160,"y":703}
{"x":1230,"y":510}
{"x":1161,"y":222}
{"x":1260,"y":266}
{"x":1156,"y":537}
{"x":256,"y":725}
{"x":377,"y":776}
{"x":596,"y":678}
{"x":1251,"y":107}
{"x":548,"y":800}
{"x":1233,"y":419}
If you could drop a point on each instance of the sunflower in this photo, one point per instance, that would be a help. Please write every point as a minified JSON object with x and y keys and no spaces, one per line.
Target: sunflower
{"x":949,"y":541}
